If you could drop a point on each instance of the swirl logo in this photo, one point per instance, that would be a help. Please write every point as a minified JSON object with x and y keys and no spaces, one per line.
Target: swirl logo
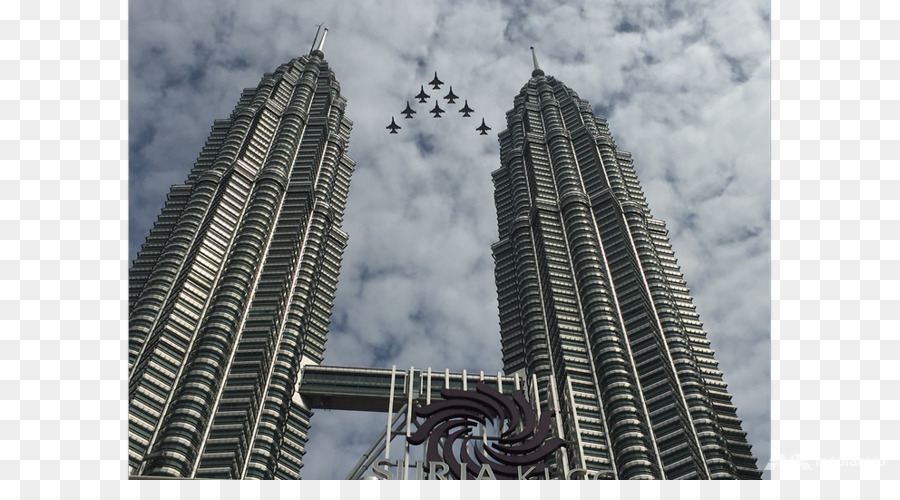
{"x":523,"y":443}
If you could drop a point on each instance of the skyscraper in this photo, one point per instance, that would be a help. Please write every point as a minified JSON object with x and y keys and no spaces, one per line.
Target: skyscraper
{"x":232,"y":292}
{"x":593,"y":304}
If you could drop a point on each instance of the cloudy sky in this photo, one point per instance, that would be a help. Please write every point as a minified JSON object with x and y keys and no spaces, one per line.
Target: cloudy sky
{"x":685,"y":87}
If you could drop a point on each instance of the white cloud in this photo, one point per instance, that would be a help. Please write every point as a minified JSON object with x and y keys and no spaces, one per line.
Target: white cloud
{"x":686,"y":91}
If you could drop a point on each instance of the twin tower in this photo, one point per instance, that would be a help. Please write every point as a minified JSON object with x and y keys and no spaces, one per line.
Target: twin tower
{"x":230,"y":298}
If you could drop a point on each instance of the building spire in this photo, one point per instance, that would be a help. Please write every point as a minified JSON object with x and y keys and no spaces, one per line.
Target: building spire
{"x":313,"y":49}
{"x":537,"y":69}
{"x":322,"y":41}
{"x":313,"y":46}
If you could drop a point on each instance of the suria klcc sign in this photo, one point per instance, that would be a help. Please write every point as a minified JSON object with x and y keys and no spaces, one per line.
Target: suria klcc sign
{"x":453,"y":452}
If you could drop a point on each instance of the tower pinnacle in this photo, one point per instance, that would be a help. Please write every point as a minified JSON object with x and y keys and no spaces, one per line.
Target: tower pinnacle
{"x":317,"y":50}
{"x":315,"y":38}
{"x":322,"y":41}
{"x":537,"y":70}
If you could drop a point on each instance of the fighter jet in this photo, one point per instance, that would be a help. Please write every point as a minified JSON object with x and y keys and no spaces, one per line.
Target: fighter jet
{"x":422,"y":97}
{"x":393,"y":127}
{"x":483,"y":128}
{"x":435,"y":83}
{"x":408,"y":111}
{"x":466,"y":109}
{"x":451,"y":97}
{"x":437,"y":110}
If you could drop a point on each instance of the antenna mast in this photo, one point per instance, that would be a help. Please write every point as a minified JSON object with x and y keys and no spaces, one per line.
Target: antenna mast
{"x":537,"y":70}
{"x":313,"y":46}
{"x":322,"y":41}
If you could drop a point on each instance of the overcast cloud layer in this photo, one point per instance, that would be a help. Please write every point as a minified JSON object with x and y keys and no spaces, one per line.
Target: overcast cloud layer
{"x":685,"y":88}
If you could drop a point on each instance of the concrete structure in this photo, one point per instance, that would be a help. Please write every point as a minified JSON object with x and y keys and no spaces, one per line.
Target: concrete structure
{"x":592,"y":302}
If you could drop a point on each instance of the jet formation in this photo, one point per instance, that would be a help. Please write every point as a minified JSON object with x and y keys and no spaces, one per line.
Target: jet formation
{"x":437,"y":111}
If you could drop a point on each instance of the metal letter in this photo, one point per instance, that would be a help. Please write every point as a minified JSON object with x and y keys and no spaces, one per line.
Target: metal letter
{"x":490,"y":473}
{"x":380,"y":469}
{"x":436,"y":473}
{"x":420,"y":469}
{"x":527,"y":473}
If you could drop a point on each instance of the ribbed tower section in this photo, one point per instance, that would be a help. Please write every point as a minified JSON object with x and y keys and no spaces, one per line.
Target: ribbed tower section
{"x":593,"y":304}
{"x":232,"y":292}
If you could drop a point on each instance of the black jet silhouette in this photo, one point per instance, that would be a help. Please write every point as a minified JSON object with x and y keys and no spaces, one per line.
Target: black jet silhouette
{"x":408,"y":111}
{"x":483,"y":128}
{"x":422,"y":97}
{"x":451,"y":97}
{"x":435,"y":83}
{"x":393,"y":127}
{"x":466,"y":109}
{"x":437,"y":110}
